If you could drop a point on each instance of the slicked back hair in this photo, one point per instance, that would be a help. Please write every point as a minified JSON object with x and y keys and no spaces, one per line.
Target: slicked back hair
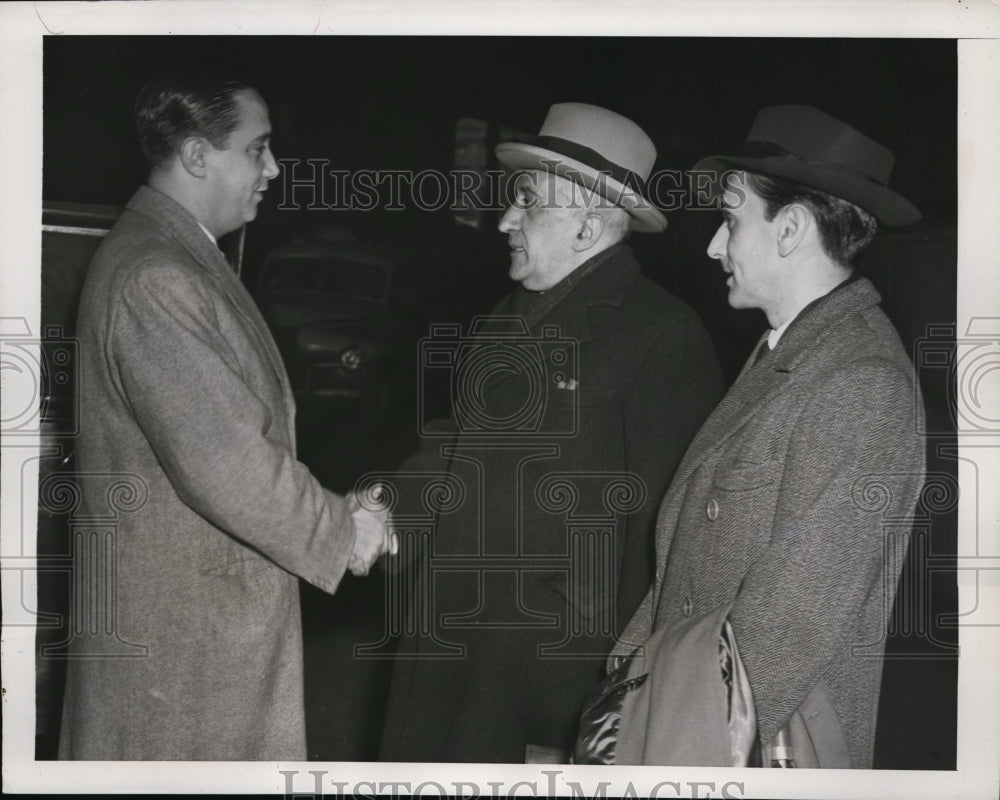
{"x":172,"y":108}
{"x":845,"y":230}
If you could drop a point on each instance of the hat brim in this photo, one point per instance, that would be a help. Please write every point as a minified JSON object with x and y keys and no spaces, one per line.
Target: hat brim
{"x":883,"y":203}
{"x":644,"y":216}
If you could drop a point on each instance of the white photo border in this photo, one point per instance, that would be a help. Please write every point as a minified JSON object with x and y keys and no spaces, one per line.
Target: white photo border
{"x":975,"y":23}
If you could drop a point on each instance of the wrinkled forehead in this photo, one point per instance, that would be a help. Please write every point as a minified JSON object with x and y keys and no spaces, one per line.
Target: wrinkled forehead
{"x":540,"y":178}
{"x":546,"y":185}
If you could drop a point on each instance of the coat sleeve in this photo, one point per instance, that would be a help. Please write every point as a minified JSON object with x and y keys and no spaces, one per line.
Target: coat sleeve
{"x":208,"y":427}
{"x":802,"y":601}
{"x":677,"y":385}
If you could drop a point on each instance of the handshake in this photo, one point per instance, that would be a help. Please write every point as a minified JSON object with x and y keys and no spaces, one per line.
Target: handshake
{"x":372,"y":535}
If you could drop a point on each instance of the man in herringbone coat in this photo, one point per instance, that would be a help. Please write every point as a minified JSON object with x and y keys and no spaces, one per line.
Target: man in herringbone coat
{"x":788,"y":510}
{"x":184,"y":392}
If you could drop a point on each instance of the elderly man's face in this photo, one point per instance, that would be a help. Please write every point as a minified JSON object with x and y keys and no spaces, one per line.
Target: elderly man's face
{"x":541,"y":227}
{"x":238,"y":174}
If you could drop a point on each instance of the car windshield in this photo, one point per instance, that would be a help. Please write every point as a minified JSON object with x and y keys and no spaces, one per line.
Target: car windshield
{"x":326,"y":276}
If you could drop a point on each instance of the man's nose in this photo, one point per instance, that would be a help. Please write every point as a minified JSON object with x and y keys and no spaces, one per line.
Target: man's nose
{"x":510,"y":221}
{"x":270,"y":165}
{"x":717,"y":247}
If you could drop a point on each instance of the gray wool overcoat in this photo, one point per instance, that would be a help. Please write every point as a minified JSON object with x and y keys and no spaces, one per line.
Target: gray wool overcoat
{"x":183,"y":391}
{"x":791,"y":503}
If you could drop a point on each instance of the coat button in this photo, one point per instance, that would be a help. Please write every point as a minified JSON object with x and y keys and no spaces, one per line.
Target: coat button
{"x":712,"y":510}
{"x":688,"y":605}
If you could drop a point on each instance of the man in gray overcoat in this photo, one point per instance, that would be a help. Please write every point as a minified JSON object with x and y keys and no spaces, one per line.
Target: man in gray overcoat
{"x":572,"y":405}
{"x":184,"y":393}
{"x":780,"y":540}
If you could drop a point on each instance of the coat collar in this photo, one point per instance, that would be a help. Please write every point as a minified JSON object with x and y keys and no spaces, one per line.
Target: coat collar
{"x":170,"y":214}
{"x":178,"y":222}
{"x":759,"y":382}
{"x":580,"y":311}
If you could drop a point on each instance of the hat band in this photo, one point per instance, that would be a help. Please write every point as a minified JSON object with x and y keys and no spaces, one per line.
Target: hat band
{"x":592,"y":159}
{"x":755,"y":149}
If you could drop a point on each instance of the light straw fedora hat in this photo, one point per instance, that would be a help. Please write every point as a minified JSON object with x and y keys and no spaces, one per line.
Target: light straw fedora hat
{"x":598,"y":149}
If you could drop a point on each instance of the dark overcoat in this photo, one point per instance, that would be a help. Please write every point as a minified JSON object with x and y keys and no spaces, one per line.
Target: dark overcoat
{"x":792,"y":503}
{"x":543,"y":545}
{"x":184,"y":395}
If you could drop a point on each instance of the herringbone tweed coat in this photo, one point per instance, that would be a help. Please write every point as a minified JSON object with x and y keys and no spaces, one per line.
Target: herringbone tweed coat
{"x":788,"y":504}
{"x":183,"y":389}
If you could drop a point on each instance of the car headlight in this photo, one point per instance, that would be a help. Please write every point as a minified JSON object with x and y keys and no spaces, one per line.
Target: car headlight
{"x":352,"y":357}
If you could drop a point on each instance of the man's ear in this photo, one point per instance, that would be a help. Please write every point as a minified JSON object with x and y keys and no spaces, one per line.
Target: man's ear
{"x":192,"y":156}
{"x":590,"y":232}
{"x":794,"y":222}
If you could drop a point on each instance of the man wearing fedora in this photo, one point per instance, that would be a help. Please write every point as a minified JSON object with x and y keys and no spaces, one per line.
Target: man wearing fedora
{"x":523,"y":606}
{"x":780,"y":540}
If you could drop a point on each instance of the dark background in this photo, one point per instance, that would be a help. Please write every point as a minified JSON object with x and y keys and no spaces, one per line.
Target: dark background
{"x":392,"y":103}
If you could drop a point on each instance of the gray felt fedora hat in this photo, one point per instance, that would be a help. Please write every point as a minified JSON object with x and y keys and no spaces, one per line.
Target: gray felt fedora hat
{"x":807,"y":146}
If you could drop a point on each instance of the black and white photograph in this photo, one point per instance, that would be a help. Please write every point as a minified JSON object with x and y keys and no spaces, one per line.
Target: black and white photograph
{"x":435,"y":400}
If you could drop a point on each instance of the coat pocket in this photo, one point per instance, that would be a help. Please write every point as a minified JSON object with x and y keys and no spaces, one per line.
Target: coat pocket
{"x":572,"y":412}
{"x":242,"y":566}
{"x":737,"y":475}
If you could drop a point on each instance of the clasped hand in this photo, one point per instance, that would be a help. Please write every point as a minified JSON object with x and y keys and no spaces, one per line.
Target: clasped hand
{"x":372,"y":534}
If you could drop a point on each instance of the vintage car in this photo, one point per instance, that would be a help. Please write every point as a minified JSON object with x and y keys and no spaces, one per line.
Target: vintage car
{"x":342,"y":319}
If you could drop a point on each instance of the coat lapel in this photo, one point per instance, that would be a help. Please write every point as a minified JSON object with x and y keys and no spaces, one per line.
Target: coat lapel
{"x":760,"y":381}
{"x":185,"y":230}
{"x":587,"y":307}
{"x":594,"y":301}
{"x":754,"y":388}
